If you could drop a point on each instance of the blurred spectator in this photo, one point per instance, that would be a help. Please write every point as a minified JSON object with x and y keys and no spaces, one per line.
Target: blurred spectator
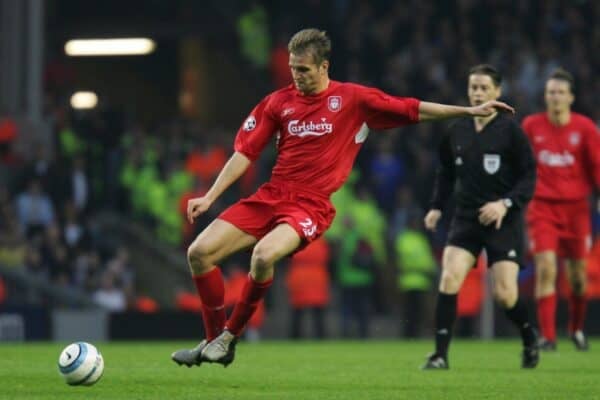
{"x":355,"y":277}
{"x":8,"y":136}
{"x":416,"y":270}
{"x":406,"y":207}
{"x":253,"y":30}
{"x":387,"y":173}
{"x":123,"y":273}
{"x":75,"y":186}
{"x":109,"y":296}
{"x":307,"y":282}
{"x":280,"y":69}
{"x":12,"y":242}
{"x":36,"y":268}
{"x":34,"y":209}
{"x":87,"y":270}
{"x":74,"y":233}
{"x":41,"y":168}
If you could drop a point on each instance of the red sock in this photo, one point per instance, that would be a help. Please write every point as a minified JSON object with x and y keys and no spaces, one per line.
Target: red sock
{"x":577,"y":307}
{"x":252,"y":293}
{"x":211,"y":289}
{"x":546,"y":310}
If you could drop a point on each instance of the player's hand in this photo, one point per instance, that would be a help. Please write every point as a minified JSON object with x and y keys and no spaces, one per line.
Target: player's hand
{"x":196,"y":207}
{"x":432,"y":218}
{"x":490,"y":107}
{"x":491,"y":212}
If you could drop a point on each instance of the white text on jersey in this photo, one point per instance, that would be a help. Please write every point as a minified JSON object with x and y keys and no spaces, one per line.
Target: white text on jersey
{"x":310,"y":128}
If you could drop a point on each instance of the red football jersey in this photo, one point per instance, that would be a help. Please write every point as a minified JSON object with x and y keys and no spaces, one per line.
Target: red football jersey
{"x":318,"y":137}
{"x":567,"y":157}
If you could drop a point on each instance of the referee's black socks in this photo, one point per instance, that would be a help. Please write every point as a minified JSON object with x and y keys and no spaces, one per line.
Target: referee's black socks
{"x":518,"y":315}
{"x":445,"y":315}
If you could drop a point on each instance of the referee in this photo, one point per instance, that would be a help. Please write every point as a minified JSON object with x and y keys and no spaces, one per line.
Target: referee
{"x":489,"y":164}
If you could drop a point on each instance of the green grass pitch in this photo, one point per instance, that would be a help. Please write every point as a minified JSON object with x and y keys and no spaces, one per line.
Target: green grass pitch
{"x":308,"y":370}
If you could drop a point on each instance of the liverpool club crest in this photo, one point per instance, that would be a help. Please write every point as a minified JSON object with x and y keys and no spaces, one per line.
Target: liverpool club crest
{"x":334,"y":103}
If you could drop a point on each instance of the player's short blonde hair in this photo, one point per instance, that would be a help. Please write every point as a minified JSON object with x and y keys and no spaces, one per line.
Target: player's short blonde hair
{"x":311,"y":40}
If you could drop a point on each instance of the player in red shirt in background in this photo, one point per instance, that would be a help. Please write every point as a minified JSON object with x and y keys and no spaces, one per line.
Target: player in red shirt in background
{"x":319,"y":125}
{"x":567,"y":151}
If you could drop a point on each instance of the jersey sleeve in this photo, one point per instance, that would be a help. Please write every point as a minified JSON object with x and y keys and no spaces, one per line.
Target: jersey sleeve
{"x":525,"y":169}
{"x":445,"y":176}
{"x":257,"y":130}
{"x":383,"y":111}
{"x":592,"y":151}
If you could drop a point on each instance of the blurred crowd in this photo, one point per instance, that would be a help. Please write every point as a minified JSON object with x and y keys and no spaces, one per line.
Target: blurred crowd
{"x":376,"y":248}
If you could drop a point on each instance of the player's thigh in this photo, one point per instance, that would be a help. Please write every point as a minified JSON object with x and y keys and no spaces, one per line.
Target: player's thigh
{"x":576,"y":247}
{"x":467,"y":234}
{"x":220,"y":239}
{"x":456,"y":264}
{"x":275,"y":245}
{"x":543,"y":230}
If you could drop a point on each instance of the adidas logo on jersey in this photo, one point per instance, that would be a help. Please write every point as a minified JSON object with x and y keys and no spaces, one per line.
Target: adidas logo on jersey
{"x":458,"y":161}
{"x":512,"y":253}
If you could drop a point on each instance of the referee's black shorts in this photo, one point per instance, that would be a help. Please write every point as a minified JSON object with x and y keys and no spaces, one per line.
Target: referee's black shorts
{"x":504,"y":244}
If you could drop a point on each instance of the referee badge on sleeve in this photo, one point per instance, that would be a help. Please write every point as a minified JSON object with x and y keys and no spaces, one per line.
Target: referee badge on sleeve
{"x":491,"y":163}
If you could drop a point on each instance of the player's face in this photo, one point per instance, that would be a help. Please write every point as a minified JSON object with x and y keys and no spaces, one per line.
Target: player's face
{"x":482,"y":89}
{"x":558,"y":95}
{"x":308,"y":76}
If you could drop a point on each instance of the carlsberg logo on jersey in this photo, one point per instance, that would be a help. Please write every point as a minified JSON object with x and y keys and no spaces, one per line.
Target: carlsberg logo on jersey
{"x":310,"y":128}
{"x":556,"y":159}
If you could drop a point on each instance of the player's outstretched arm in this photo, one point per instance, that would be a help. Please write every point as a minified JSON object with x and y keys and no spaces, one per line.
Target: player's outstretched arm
{"x":233,"y":169}
{"x":435,"y":111}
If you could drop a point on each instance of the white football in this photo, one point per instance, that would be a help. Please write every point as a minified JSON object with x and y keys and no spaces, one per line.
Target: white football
{"x":81,"y":363}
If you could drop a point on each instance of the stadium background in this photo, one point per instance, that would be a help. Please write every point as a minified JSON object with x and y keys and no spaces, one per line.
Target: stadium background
{"x":102,"y":255}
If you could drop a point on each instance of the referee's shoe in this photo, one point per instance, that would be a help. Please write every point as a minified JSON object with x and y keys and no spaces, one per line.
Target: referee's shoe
{"x":435,"y":361}
{"x":530,"y":357}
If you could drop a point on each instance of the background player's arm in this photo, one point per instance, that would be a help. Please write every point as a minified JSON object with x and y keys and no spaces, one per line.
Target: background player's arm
{"x":592,"y":150}
{"x":443,"y":184}
{"x":435,"y":111}
{"x":233,"y":169}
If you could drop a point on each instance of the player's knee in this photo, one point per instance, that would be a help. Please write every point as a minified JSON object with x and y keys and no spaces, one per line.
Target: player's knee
{"x":263,"y":257}
{"x":262,"y":263}
{"x":546,"y":274}
{"x":450,"y":282}
{"x":198,"y":255}
{"x":505,"y":295}
{"x":578,"y":284}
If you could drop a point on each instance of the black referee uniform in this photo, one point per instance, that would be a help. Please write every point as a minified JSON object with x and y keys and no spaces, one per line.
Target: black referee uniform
{"x":494,"y":164}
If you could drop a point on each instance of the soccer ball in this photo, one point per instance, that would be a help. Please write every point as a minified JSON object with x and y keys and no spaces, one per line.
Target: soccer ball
{"x":81,"y":363}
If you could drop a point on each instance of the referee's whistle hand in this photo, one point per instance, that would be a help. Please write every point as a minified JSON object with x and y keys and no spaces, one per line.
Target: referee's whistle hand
{"x":432,"y":218}
{"x":492,"y":212}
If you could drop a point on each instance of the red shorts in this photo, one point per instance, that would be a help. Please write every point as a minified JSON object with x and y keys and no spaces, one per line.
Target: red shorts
{"x":309,"y":213}
{"x":561,"y":226}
